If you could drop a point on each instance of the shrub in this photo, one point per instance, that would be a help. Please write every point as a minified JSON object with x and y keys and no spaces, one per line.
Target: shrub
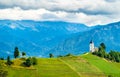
{"x":9,"y":62}
{"x":110,"y":76}
{"x":28,"y":63}
{"x":1,"y":58}
{"x":51,"y":55}
{"x":69,"y":54}
{"x":3,"y":73}
{"x":34,"y":61}
{"x":112,"y":55}
{"x":23,"y":53}
{"x":60,"y":56}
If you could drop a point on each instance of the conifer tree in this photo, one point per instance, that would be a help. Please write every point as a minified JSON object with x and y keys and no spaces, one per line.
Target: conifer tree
{"x":16,"y":52}
{"x":9,"y":61}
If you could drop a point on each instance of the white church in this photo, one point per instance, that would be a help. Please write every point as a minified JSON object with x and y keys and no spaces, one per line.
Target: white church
{"x":92,"y":47}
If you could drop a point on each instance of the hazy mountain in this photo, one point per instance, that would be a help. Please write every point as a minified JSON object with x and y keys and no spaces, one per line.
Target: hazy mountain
{"x":41,"y":38}
{"x":79,"y":42}
{"x":33,"y":37}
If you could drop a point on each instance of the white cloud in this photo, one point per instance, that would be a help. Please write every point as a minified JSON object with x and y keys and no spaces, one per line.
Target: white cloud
{"x":90,"y":12}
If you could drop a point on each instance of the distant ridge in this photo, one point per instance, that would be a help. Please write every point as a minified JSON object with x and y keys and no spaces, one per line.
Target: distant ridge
{"x":35,"y":37}
{"x":39,"y":38}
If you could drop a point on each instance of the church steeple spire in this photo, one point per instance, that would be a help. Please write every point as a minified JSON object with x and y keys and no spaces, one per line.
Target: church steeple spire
{"x":91,"y":41}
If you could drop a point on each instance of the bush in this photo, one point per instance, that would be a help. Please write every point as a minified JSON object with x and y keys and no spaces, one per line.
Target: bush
{"x":115,"y":56}
{"x":112,"y":55}
{"x":1,"y":58}
{"x":30,"y":61}
{"x":34,"y":61}
{"x":9,"y":62}
{"x":23,"y":53}
{"x":69,"y":54}
{"x":110,"y":76}
{"x":3,"y":73}
{"x":60,"y":56}
{"x":51,"y":55}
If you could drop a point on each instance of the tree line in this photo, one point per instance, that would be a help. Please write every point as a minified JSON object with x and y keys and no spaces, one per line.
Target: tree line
{"x":28,"y":61}
{"x":112,"y":55}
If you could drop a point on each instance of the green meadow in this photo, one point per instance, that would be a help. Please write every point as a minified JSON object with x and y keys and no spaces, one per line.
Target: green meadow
{"x":86,"y":65}
{"x":106,"y":66}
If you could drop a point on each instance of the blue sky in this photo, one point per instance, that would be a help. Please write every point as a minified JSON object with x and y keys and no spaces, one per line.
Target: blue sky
{"x":89,"y":12}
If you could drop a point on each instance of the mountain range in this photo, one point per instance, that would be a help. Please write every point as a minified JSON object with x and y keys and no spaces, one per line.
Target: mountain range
{"x":39,"y":38}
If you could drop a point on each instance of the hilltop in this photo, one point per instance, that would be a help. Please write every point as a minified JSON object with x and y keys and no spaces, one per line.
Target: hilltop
{"x":86,"y":65}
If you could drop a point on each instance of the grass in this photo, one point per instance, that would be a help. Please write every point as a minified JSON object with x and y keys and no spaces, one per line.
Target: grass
{"x":21,"y":72}
{"x":83,"y":67}
{"x":54,"y":68}
{"x":107,"y":67}
{"x":86,"y":65}
{"x":45,"y":68}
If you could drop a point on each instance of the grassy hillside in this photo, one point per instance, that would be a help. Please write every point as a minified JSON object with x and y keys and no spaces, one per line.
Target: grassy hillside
{"x":83,"y":67}
{"x":107,"y":67}
{"x":45,"y":68}
{"x":86,"y":65}
{"x":54,"y":68}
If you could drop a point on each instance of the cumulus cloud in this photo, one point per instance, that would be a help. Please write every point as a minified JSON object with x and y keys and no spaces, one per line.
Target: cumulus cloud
{"x":90,"y":12}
